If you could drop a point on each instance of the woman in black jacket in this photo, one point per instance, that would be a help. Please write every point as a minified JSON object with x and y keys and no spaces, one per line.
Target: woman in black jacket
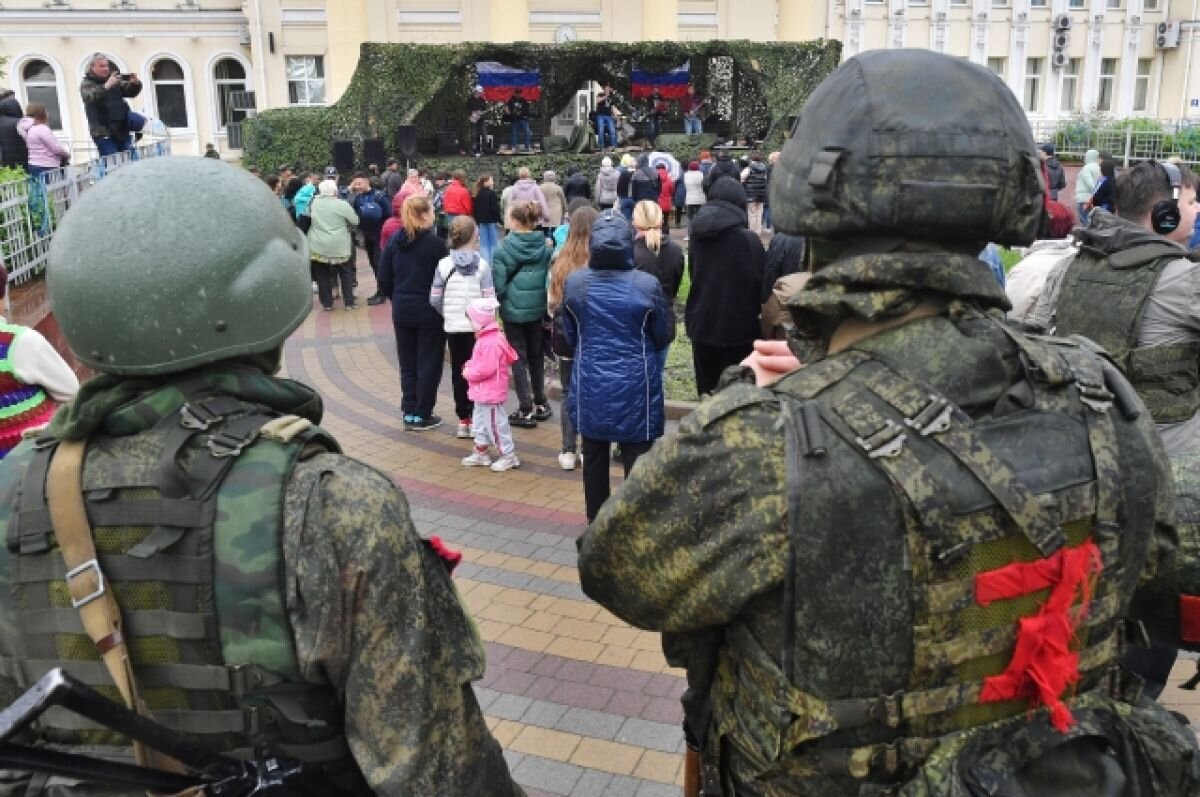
{"x":726,"y":262}
{"x":660,"y":257}
{"x":487,"y":216}
{"x":406,"y":272}
{"x":577,"y":186}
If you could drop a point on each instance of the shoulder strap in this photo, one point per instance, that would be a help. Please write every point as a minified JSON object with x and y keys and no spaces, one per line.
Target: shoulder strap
{"x":1144,"y":254}
{"x":86,"y":585}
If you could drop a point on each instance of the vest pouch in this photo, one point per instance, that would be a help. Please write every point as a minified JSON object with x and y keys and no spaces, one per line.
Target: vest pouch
{"x":1113,"y":750}
{"x":1168,"y":379}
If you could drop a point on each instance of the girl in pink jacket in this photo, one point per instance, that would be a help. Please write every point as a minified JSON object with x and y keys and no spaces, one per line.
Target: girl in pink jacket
{"x":487,"y":379}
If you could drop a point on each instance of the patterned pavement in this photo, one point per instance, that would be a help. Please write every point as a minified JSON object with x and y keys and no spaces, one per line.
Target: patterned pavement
{"x":584,"y":705}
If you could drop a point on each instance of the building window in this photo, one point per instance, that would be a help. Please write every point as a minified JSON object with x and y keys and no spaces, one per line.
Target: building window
{"x":1115,"y":3}
{"x":996,"y":65}
{"x":1038,"y":3}
{"x":41,"y":85}
{"x":228,"y":76}
{"x":918,"y":2}
{"x":999,"y":3}
{"x":1149,"y":5}
{"x":1070,"y":86}
{"x":960,"y":2}
{"x":1108,"y":82}
{"x":170,"y":98}
{"x":1078,"y":4}
{"x":1033,"y":84}
{"x":1141,"y":84}
{"x":306,"y":79}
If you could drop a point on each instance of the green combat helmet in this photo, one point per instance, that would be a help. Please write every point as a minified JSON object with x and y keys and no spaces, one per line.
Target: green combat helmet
{"x":224,"y":274}
{"x":885,"y":148}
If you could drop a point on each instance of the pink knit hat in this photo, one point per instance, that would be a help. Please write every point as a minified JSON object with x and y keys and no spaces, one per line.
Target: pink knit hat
{"x":482,"y":311}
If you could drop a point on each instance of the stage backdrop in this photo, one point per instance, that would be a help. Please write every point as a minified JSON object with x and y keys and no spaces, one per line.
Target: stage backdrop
{"x":756,"y":87}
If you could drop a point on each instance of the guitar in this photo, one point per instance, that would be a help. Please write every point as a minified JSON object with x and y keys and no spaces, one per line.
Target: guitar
{"x":696,"y":109}
{"x":475,"y":116}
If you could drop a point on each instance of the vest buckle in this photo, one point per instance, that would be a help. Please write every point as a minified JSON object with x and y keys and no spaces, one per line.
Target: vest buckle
{"x":222,"y":444}
{"x":1094,"y":395}
{"x":887,"y":442}
{"x":197,"y":416}
{"x":934,"y":418}
{"x":94,"y":566}
{"x":886,"y":710}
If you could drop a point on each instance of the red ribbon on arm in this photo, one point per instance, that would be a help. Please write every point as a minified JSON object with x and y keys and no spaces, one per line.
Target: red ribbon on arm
{"x":450,"y":556}
{"x":1043,"y":664}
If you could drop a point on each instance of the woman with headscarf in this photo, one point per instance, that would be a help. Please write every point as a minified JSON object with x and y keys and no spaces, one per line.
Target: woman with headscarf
{"x":331,"y":243}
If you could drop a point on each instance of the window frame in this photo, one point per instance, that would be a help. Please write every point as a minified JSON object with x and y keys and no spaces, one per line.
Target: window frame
{"x":1112,"y":85}
{"x":319,"y":61}
{"x":189,"y":105}
{"x":23,"y":83}
{"x":247,"y":84}
{"x":1141,"y":85}
{"x":1031,"y":102}
{"x":1073,"y":76}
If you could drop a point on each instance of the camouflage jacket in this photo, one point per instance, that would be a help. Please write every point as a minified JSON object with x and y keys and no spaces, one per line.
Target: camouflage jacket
{"x":696,"y":544}
{"x":372,"y":611}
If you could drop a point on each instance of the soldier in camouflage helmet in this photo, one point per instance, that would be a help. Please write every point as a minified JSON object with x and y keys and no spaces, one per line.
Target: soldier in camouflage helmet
{"x":272,"y":594}
{"x":906,"y":568}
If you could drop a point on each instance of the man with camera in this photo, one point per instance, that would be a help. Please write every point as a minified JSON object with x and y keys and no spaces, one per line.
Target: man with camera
{"x":110,"y":120}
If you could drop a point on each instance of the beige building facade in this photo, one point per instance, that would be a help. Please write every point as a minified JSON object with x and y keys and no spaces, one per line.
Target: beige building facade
{"x":199,"y":58}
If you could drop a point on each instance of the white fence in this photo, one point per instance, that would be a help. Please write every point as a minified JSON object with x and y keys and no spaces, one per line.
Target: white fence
{"x":31,"y":208}
{"x":1176,"y":138}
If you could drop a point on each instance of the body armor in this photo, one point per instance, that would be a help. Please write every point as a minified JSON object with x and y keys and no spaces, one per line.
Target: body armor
{"x":1167,"y":377}
{"x":187,"y":520}
{"x":996,"y":545}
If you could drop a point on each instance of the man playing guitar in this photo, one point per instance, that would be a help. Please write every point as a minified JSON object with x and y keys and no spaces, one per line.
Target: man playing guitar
{"x":658,"y":111}
{"x":477,"y":106}
{"x":690,"y":106}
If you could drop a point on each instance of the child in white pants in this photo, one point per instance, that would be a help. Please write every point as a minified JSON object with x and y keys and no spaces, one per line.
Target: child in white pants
{"x":487,"y":379}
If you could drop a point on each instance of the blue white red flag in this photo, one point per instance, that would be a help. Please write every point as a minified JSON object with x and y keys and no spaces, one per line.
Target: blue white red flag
{"x":498,"y":81}
{"x":671,"y":85}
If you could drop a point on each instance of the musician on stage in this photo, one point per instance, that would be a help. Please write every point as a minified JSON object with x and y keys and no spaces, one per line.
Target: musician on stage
{"x":477,"y":107}
{"x":658,"y":112}
{"x":606,"y":128}
{"x":518,"y":111}
{"x":690,"y":106}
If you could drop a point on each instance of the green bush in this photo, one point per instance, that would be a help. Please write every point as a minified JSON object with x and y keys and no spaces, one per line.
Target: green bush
{"x":428,"y":86}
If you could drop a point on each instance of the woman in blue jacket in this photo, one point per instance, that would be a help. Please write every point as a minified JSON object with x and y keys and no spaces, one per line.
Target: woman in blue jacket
{"x":616,"y":318}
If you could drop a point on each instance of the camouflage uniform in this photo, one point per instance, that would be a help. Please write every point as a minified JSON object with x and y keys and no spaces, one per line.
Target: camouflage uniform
{"x":845,"y":561}
{"x":275,"y":593}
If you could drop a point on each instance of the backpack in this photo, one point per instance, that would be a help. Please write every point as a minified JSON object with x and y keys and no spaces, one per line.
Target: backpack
{"x":369,"y":209}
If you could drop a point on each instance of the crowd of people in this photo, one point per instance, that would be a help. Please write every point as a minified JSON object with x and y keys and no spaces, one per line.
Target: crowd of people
{"x":439,"y":242}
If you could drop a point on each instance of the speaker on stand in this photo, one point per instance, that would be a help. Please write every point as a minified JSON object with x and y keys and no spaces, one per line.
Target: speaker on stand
{"x":373,"y":152}
{"x":406,"y":142}
{"x":343,"y":156}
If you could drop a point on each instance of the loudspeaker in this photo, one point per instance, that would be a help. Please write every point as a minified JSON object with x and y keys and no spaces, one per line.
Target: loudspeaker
{"x":343,"y":155}
{"x":406,"y":141}
{"x":373,"y":152}
{"x":447,"y":142}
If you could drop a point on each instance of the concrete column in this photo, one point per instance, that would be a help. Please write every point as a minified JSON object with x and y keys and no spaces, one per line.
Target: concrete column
{"x":660,"y":20}
{"x":347,"y":25}
{"x":510,"y":20}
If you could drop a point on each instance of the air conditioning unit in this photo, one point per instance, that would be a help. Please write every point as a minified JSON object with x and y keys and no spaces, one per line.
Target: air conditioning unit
{"x":1167,"y":36}
{"x":1062,"y":22}
{"x":1061,"y":40}
{"x":1058,"y":60}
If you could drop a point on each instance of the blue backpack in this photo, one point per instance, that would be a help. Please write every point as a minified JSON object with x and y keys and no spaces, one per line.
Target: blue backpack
{"x":369,"y":209}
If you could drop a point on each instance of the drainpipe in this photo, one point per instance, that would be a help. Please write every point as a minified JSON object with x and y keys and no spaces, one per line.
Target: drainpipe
{"x":1187,"y":69}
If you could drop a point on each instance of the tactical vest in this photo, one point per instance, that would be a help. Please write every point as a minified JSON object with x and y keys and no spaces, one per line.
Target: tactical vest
{"x":1104,"y":299}
{"x":987,"y":553}
{"x":187,"y":521}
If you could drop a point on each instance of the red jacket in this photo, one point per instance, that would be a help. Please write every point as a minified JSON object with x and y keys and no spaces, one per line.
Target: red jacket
{"x":457,"y":200}
{"x":666,"y":193}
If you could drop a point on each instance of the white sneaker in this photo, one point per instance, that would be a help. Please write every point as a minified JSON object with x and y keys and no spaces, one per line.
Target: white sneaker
{"x":566,"y":460}
{"x":315,"y":289}
{"x":506,"y":462}
{"x":478,"y":459}
{"x":465,"y":432}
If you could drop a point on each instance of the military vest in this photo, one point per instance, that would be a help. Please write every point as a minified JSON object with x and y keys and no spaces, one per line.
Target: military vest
{"x":948,"y":571}
{"x":187,"y":521}
{"x":1104,"y":299}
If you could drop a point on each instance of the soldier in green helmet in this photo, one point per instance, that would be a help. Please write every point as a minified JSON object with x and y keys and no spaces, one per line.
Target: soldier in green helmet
{"x":185,"y":537}
{"x":907,"y":567}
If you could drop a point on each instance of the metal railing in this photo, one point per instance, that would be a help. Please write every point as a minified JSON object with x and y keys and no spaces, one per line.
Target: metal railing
{"x":32,"y":207}
{"x":1126,"y":143}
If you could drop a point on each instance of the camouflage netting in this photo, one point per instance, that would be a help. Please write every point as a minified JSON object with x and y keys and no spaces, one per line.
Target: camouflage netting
{"x":756,"y":87}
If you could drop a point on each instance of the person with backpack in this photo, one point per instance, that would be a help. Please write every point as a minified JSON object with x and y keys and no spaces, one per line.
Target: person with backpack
{"x":461,"y":276}
{"x":369,"y":204}
{"x":754,"y":180}
{"x":607,"y":183}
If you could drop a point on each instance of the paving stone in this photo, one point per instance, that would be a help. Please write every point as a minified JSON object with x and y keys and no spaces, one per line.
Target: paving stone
{"x":549,"y":665}
{"x":544,"y":714}
{"x":651,"y":789}
{"x":455,"y":522}
{"x":624,"y":786}
{"x":651,"y":735}
{"x":510,"y":707}
{"x":586,"y":722}
{"x":543,"y":538}
{"x":582,"y":695}
{"x":579,"y":672}
{"x":541,"y":773}
{"x":561,"y":557}
{"x":522,"y":660}
{"x":522,"y":549}
{"x":617,"y":678}
{"x":592,"y":784}
{"x":542,"y":688}
{"x":627,"y":704}
{"x":468,"y":570}
{"x":510,"y":533}
{"x":507,"y":578}
{"x":485,"y":696}
{"x":664,"y":710}
{"x":513,"y":682}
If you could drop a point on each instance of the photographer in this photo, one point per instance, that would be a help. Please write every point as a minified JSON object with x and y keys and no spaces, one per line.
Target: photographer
{"x":110,"y":121}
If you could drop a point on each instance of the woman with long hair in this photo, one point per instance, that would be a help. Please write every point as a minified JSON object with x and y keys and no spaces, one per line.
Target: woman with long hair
{"x":406,"y":272}
{"x":661,"y":257}
{"x":487,"y":216}
{"x":573,"y":256}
